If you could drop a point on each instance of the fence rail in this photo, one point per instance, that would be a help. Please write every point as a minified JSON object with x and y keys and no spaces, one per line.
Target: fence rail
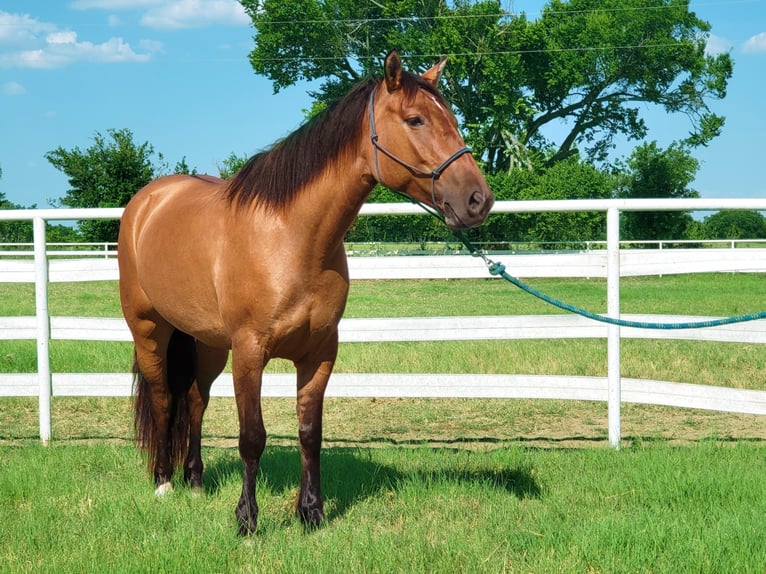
{"x":610,"y":263}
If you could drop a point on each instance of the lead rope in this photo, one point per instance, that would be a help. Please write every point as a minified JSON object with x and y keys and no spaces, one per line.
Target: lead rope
{"x":498,"y":269}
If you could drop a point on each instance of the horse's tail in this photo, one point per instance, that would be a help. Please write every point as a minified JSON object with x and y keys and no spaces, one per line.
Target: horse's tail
{"x":181,"y":361}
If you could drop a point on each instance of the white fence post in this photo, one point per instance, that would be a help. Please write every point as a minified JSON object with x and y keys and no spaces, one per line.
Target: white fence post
{"x":613,"y":333}
{"x":43,"y":329}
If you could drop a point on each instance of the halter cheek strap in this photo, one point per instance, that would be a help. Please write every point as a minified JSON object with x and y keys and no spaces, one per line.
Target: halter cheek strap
{"x":433,"y":174}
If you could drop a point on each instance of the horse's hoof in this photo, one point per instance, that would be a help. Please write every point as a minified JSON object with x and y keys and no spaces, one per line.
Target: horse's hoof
{"x":246,"y":529}
{"x":247,"y":517}
{"x":163,"y":489}
{"x":311,"y":517}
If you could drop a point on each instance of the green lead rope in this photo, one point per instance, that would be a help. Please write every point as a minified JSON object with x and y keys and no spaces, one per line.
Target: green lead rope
{"x":498,"y":269}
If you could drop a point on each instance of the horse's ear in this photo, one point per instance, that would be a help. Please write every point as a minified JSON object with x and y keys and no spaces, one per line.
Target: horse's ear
{"x":435,"y":72}
{"x":393,"y":71}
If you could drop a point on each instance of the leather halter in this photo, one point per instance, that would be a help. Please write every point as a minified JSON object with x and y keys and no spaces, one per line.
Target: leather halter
{"x":433,"y":174}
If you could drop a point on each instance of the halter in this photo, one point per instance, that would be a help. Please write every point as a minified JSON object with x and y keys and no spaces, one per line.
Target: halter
{"x":434,"y":174}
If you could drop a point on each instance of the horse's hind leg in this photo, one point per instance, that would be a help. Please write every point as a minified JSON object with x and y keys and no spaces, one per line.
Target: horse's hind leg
{"x":313,"y":375}
{"x":210,"y":363}
{"x":153,"y":402}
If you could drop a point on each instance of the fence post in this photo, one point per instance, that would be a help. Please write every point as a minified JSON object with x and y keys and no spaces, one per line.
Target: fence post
{"x":43,"y":329}
{"x":613,"y":332}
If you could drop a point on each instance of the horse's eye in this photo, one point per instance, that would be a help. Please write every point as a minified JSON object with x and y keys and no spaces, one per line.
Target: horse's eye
{"x":414,"y":121}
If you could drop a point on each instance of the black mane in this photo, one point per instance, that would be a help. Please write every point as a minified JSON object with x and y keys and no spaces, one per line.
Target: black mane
{"x":274,"y":177}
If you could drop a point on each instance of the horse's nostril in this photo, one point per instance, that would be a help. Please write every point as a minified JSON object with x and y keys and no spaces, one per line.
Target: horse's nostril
{"x":476,"y":202}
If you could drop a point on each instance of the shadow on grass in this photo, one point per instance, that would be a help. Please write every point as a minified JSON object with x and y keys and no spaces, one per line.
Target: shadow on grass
{"x":351,"y":475}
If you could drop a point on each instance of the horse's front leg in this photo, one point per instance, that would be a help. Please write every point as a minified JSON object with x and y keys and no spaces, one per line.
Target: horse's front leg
{"x":248,"y":362}
{"x":313,"y":375}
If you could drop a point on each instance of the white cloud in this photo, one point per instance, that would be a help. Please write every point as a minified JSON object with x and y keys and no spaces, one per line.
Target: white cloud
{"x":716,"y":45}
{"x":28,"y":43}
{"x":755,"y":44}
{"x":151,"y":46}
{"x":176,"y":14}
{"x":195,"y":14}
{"x":115,"y":4}
{"x":67,"y":37}
{"x":21,"y":29}
{"x":13,"y":89}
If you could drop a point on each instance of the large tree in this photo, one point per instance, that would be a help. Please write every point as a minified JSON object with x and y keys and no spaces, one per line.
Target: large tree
{"x":589,"y":66}
{"x":735,"y":224}
{"x":653,"y":172}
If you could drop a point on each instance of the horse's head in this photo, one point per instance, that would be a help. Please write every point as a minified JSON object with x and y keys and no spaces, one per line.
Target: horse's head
{"x":418,"y":150}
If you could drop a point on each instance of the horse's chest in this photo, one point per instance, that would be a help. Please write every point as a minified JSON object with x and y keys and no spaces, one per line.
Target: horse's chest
{"x":306,"y":321}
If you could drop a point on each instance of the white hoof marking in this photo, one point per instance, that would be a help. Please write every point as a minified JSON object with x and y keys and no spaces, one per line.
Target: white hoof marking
{"x":163,"y":489}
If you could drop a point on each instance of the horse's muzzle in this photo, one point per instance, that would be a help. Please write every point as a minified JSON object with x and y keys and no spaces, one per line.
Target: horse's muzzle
{"x":469,"y":213}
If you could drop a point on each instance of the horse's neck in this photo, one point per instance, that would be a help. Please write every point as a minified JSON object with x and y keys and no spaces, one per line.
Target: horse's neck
{"x":325,"y":212}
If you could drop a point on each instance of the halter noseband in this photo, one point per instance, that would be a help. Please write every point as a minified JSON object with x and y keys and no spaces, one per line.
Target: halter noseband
{"x":433,"y":174}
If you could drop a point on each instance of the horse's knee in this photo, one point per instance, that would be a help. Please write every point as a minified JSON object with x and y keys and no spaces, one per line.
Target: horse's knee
{"x":310,"y":435}
{"x":252,"y":443}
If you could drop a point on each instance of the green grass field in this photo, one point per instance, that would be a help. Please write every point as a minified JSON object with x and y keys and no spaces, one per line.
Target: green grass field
{"x":411,"y":485}
{"x":416,"y":509}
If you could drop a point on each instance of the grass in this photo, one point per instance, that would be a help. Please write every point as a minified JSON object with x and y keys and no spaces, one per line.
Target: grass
{"x":411,"y":485}
{"x":722,"y":364}
{"x":702,"y":294}
{"x":650,"y":509}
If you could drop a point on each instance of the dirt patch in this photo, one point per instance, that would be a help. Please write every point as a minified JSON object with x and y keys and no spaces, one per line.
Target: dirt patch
{"x":450,"y":423}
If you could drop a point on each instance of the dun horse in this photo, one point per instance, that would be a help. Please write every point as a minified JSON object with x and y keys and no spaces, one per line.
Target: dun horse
{"x":257,"y":265}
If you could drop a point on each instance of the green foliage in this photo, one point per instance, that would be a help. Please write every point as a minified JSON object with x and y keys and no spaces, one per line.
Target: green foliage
{"x":182,"y":167}
{"x":735,"y":224}
{"x":589,"y":65}
{"x":107,"y":174}
{"x":591,"y":62}
{"x":396,"y":228}
{"x":14,"y":231}
{"x":568,"y":179}
{"x":652,"y":172}
{"x":231,"y":165}
{"x":21,"y":231}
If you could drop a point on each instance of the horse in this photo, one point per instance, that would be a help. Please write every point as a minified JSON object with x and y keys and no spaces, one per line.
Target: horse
{"x":256,"y":265}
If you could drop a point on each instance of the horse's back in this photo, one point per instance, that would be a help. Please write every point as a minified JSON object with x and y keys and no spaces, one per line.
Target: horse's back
{"x":172,"y":188}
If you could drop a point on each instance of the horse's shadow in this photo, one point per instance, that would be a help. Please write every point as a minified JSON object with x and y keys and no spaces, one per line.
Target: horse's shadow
{"x":351,"y":475}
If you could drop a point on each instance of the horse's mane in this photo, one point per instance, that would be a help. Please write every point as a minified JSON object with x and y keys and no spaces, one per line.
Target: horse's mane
{"x":273,"y":177}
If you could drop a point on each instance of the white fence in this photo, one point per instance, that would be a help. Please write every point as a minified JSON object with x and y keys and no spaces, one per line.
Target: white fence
{"x":610,"y":263}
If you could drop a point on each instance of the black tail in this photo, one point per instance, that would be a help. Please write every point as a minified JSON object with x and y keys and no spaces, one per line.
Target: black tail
{"x":181,"y":361}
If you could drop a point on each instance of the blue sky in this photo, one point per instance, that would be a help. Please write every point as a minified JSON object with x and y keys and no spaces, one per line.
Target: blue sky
{"x":175,"y":72}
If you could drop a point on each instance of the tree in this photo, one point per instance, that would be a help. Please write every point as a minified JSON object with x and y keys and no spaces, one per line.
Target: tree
{"x":735,"y":224}
{"x":589,"y":65}
{"x":107,"y":174}
{"x":14,"y":231}
{"x":652,"y":172}
{"x":231,"y":165}
{"x":568,"y":179}
{"x":592,"y":62}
